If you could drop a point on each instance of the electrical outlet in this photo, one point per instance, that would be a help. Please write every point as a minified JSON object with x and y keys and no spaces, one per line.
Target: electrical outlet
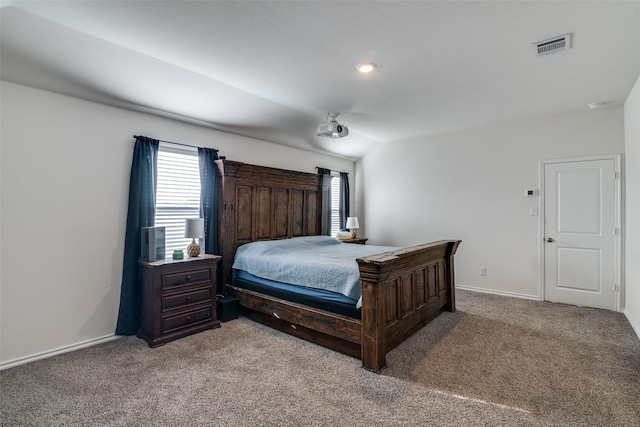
{"x":483,"y":271}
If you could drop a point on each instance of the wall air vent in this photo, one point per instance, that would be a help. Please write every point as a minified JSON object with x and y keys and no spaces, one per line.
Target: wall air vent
{"x":554,"y":45}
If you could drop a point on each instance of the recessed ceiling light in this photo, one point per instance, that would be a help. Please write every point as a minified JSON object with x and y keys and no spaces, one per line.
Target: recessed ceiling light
{"x":366,"y":67}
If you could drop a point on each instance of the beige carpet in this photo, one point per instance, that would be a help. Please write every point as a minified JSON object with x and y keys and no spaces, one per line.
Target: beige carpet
{"x":496,"y":361}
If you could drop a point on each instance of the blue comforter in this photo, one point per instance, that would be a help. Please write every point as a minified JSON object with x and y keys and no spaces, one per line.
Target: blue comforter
{"x":320,"y":262}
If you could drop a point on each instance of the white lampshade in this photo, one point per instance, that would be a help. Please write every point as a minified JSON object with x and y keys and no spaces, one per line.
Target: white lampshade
{"x":352,"y":222}
{"x":194,"y":228}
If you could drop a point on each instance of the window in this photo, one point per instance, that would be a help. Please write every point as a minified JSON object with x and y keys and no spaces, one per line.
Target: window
{"x":177,"y":193}
{"x":335,"y":203}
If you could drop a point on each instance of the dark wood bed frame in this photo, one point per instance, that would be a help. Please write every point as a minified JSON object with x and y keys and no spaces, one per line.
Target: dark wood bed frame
{"x":401,"y":291}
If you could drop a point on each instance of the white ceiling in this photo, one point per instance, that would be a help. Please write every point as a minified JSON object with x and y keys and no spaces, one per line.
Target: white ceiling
{"x":272,"y":70}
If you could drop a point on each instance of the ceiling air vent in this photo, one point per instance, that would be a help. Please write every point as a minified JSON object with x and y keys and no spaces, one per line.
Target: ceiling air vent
{"x":554,"y":45}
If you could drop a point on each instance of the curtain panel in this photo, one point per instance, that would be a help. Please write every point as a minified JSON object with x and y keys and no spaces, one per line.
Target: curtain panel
{"x":344,"y":199}
{"x":324,"y":171}
{"x":209,"y":198}
{"x":140,"y":213}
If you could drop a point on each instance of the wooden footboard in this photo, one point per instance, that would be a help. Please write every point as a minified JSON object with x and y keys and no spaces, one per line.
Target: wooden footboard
{"x":401,"y":292}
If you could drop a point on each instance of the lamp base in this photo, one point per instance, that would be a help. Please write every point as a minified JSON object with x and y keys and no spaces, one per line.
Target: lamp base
{"x":193,"y":250}
{"x":353,"y":233}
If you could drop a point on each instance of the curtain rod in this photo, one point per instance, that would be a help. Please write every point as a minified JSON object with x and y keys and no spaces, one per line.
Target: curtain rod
{"x":171,"y":142}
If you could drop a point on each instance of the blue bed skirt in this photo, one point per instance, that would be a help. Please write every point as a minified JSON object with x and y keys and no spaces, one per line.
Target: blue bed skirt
{"x":318,"y":298}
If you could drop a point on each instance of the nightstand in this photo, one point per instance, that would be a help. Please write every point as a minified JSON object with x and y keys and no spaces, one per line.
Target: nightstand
{"x":357,"y":241}
{"x":178,"y":298}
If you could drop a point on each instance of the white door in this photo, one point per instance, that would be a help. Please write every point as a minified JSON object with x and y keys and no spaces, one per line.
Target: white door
{"x":580,"y":232}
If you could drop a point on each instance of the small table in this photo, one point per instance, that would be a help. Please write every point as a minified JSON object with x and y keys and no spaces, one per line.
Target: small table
{"x":178,"y":298}
{"x":357,"y":241}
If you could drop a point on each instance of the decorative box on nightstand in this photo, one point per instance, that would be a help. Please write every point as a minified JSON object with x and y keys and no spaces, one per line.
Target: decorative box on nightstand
{"x":357,"y":240}
{"x":178,"y":298}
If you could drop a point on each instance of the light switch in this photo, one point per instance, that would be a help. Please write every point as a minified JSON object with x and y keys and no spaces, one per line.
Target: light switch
{"x":533,"y":211}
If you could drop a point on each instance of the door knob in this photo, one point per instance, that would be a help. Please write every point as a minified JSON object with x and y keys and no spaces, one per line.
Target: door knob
{"x":549,"y":239}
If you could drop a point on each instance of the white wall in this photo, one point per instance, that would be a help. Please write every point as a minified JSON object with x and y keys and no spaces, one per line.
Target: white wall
{"x":632,"y":157}
{"x":470,"y":186}
{"x":64,"y":180}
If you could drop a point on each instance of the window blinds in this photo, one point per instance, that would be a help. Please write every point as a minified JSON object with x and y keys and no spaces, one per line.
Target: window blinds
{"x":335,"y":205}
{"x":177,"y":193}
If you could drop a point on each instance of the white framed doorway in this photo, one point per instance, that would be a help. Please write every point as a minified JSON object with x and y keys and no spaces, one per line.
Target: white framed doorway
{"x":581,"y":231}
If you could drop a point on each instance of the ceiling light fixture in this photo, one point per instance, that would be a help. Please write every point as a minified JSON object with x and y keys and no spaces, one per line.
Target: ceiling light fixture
{"x":367,"y":67}
{"x":595,"y":105}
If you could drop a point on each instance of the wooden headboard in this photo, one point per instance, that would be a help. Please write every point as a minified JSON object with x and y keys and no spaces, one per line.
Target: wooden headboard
{"x":263,"y":203}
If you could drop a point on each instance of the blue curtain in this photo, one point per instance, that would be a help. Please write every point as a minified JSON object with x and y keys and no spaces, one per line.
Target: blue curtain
{"x":324,"y":171}
{"x":344,"y":199}
{"x":141,"y":212}
{"x":209,"y":197}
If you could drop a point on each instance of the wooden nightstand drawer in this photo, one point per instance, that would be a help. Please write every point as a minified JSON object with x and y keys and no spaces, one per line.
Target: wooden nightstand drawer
{"x":170,"y":302}
{"x":179,"y":321}
{"x":186,"y":277}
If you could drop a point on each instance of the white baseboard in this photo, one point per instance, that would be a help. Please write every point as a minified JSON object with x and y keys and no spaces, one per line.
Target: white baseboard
{"x":636,"y":328}
{"x":491,"y":291}
{"x":55,"y":352}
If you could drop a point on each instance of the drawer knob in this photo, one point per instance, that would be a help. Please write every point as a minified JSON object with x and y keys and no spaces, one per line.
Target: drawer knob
{"x":188,"y":278}
{"x":188,"y":299}
{"x":188,"y":318}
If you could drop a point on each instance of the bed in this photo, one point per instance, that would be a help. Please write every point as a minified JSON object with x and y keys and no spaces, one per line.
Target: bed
{"x":401,"y":289}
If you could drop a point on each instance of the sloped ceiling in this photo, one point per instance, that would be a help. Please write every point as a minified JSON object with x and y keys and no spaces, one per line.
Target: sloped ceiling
{"x":273,"y":70}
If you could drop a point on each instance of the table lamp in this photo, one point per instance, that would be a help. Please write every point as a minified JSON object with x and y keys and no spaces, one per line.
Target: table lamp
{"x":194,"y":229}
{"x":352,"y":224}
